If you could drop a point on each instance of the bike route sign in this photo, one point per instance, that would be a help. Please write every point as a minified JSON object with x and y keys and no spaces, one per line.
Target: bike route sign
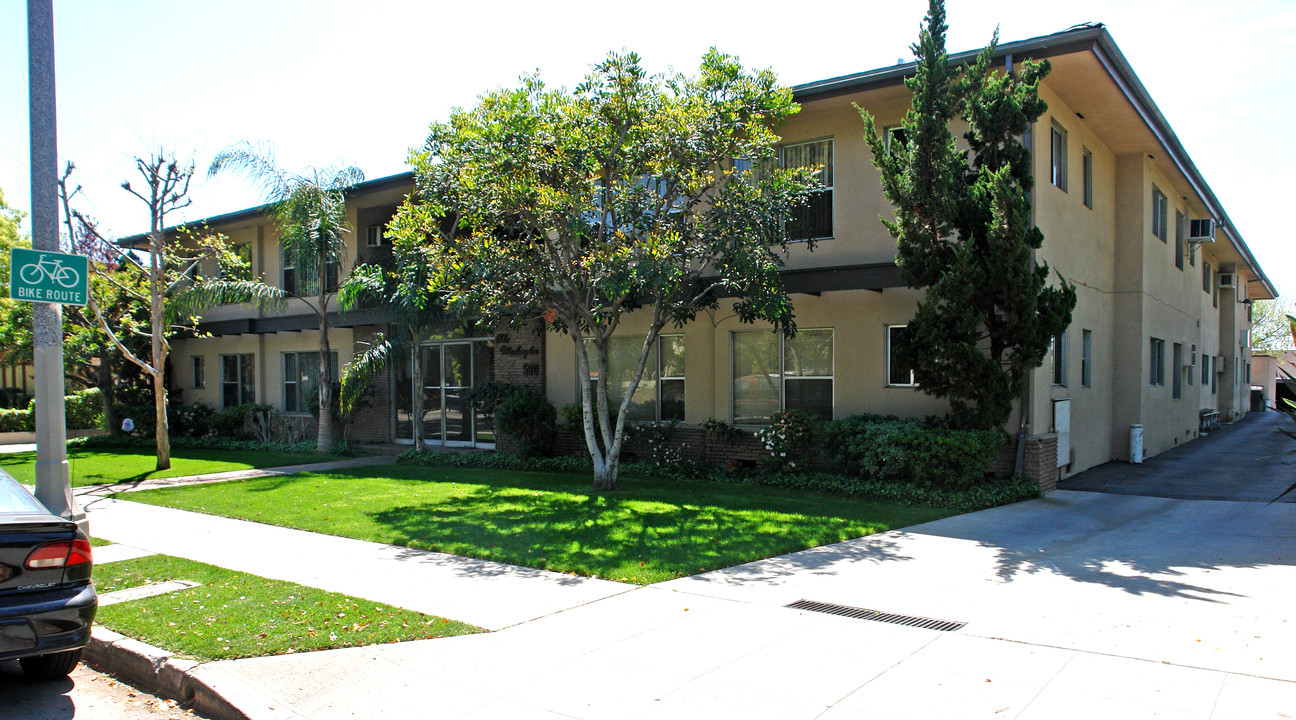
{"x":52,"y":277}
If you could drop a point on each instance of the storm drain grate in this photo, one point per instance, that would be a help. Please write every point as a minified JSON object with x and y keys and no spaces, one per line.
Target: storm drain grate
{"x":876,"y":616}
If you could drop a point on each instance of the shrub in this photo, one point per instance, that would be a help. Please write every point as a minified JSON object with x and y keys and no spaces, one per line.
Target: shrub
{"x":83,"y":410}
{"x":15,"y":420}
{"x":789,"y":436}
{"x":192,"y":420}
{"x":239,"y":422}
{"x":528,"y":418}
{"x":889,"y":449}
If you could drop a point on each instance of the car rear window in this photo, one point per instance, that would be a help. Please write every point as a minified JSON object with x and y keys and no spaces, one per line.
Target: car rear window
{"x":15,"y":499}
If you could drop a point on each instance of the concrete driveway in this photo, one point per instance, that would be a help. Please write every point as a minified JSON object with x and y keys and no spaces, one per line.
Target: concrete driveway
{"x":1245,"y":461}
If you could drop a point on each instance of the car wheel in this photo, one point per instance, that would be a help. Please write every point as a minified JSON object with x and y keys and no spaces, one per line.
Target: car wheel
{"x":52,"y":666}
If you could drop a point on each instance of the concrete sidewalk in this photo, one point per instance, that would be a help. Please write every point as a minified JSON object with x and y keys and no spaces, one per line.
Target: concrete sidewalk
{"x":1079,"y":605}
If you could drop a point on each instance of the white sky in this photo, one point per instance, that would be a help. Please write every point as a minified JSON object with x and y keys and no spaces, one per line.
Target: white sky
{"x":339,"y":81}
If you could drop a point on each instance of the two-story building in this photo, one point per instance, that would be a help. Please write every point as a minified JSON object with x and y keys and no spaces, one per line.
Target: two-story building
{"x":1159,"y":333}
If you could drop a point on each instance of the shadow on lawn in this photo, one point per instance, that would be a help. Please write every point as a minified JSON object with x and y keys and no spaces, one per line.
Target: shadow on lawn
{"x":626,"y":538}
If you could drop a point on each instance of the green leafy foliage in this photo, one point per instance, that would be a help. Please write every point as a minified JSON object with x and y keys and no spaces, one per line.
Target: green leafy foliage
{"x":528,"y":418}
{"x":894,"y":450}
{"x":964,"y":232}
{"x":83,"y":410}
{"x":579,"y":206}
{"x":789,"y":437}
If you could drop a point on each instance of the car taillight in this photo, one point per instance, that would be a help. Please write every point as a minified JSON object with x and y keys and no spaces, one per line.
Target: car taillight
{"x":59,"y":554}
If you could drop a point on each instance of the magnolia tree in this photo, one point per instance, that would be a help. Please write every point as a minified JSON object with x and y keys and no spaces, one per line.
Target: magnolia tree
{"x":651,"y":193}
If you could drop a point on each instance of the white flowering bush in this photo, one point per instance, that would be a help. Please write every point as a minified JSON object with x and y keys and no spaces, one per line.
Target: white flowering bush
{"x":787,"y":437}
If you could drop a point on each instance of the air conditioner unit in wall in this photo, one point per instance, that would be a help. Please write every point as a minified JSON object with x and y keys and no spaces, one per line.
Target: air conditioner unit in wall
{"x":1226,"y":280}
{"x":1201,"y":230}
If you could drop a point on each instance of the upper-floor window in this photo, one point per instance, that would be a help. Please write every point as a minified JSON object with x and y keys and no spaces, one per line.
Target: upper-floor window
{"x":772,"y":373}
{"x":898,"y":373}
{"x":1160,"y":208}
{"x":1058,"y":166}
{"x":305,"y":281}
{"x":1205,"y":369}
{"x":1176,"y":372}
{"x":199,"y":376}
{"x":896,"y":138}
{"x":1086,"y":167}
{"x":1206,"y":276}
{"x":660,"y":394}
{"x":1179,"y":240}
{"x":813,"y":220}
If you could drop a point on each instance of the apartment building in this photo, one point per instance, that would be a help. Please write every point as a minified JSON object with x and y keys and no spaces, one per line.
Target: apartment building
{"x":1159,"y":334}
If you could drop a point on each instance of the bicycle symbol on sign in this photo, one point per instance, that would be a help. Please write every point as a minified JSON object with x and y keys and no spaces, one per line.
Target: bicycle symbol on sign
{"x":51,"y":268}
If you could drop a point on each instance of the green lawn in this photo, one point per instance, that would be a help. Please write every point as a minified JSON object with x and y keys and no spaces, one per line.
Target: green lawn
{"x":649,"y":532}
{"x":99,"y":466}
{"x":233,"y":614}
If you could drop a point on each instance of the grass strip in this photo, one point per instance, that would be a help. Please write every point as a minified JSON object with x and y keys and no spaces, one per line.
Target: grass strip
{"x":101,"y":466}
{"x":653,"y":530}
{"x":235,"y":615}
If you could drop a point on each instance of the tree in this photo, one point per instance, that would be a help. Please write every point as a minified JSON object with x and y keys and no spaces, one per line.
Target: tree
{"x":622,"y":194}
{"x":964,"y":230}
{"x":399,"y":288}
{"x":173,"y":291}
{"x":1270,"y":327}
{"x":310,"y":211}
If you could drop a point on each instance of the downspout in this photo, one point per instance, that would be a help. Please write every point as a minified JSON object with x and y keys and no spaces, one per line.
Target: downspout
{"x":1026,"y":401}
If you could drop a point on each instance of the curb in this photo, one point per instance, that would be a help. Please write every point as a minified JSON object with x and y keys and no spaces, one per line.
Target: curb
{"x":205,"y":688}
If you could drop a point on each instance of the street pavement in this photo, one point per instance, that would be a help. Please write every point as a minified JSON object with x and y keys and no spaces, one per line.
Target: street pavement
{"x":84,"y":694}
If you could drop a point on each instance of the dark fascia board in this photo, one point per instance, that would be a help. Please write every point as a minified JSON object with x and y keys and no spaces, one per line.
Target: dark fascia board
{"x":1091,"y":37}
{"x":289,"y":323}
{"x":368,"y":186}
{"x":812,"y":281}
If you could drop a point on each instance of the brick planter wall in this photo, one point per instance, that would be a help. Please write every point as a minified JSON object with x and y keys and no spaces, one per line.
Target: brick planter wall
{"x":373,"y":422}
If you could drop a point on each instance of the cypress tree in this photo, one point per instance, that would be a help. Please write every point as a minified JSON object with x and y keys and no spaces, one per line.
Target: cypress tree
{"x":964,"y":232}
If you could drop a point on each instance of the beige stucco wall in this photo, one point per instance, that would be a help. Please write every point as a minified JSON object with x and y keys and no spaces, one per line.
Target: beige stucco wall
{"x":268,"y":350}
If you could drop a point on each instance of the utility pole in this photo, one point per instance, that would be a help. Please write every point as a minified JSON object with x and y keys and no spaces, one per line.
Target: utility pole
{"x":53,"y":488}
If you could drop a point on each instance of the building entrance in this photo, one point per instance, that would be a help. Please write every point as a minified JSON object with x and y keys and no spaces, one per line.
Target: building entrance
{"x":450,"y":369}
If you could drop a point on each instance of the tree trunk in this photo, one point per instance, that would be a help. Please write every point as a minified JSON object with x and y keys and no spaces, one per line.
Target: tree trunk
{"x":162,"y":432}
{"x":416,"y":397}
{"x":324,"y":441}
{"x":104,"y":378}
{"x":605,"y":477}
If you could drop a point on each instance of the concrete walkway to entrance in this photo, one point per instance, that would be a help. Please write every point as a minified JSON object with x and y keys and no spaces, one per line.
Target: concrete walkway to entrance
{"x":1245,"y":461}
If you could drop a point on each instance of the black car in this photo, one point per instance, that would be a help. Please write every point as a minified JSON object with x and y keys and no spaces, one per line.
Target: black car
{"x":47,"y":602}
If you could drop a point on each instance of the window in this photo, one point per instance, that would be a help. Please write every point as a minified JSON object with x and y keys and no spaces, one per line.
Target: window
{"x":1156,"y":374}
{"x":238,"y":380}
{"x":1059,"y":359}
{"x":660,"y":395}
{"x":1215,"y":290}
{"x":895,"y":137}
{"x":814,"y":219}
{"x":1086,"y":358}
{"x":306,"y":282}
{"x":1205,"y":366}
{"x":1179,"y":239}
{"x":1215,"y":375}
{"x":1206,"y":277}
{"x":1058,"y":168}
{"x":1176,"y":372}
{"x":1086,"y":167}
{"x":301,"y":379}
{"x":196,"y":370}
{"x":898,"y":373}
{"x":772,"y":373}
{"x":244,"y":271}
{"x":1191,"y":368}
{"x":1159,"y":209}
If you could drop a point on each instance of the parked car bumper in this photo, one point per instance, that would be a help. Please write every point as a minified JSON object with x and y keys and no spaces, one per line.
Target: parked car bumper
{"x":46,"y":622}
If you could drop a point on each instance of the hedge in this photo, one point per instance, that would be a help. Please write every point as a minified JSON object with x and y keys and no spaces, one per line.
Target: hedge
{"x":83,"y":410}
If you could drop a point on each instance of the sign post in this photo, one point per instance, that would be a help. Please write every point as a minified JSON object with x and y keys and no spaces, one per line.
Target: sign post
{"x":50,"y":277}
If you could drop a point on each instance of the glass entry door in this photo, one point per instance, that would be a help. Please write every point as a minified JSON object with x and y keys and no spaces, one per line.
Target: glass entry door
{"x":450,"y":369}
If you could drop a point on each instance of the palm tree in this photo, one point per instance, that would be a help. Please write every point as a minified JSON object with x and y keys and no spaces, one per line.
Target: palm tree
{"x":310,"y":212}
{"x":400,"y":290}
